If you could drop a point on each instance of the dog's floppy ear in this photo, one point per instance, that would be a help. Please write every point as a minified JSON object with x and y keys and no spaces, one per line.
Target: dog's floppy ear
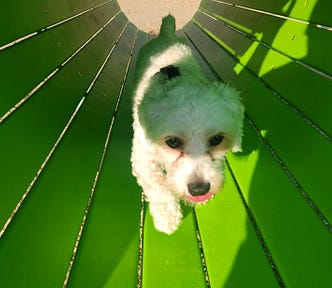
{"x":152,"y":111}
{"x":232,"y":98}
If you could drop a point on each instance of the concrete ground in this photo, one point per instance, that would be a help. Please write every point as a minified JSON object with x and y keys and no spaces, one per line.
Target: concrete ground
{"x":147,"y":14}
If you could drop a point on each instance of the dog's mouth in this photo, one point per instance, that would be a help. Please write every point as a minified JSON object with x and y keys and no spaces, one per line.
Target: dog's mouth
{"x":200,"y":198}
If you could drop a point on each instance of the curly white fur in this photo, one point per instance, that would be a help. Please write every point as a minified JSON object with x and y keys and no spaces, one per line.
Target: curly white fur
{"x":183,"y":127}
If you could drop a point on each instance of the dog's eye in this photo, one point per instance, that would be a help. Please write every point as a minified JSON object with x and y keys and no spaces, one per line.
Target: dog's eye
{"x":216,"y":140}
{"x":174,"y":143}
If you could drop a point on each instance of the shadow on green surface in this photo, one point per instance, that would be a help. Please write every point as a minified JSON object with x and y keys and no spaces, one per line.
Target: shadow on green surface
{"x":275,"y":202}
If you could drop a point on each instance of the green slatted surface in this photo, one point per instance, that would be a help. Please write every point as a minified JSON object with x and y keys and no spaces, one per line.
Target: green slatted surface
{"x":71,"y":213}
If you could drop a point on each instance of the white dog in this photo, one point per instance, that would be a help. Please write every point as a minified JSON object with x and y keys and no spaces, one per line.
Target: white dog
{"x":183,"y":127}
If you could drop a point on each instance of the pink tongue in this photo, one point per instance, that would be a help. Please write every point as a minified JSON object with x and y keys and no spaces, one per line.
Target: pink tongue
{"x":200,"y":198}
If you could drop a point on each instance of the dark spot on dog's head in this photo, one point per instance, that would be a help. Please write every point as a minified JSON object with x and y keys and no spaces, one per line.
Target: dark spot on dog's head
{"x":168,"y":73}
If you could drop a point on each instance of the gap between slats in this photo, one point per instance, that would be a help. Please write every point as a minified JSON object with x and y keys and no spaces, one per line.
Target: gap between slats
{"x":62,"y":134}
{"x":202,"y":253}
{"x":299,"y":188}
{"x":249,"y":213}
{"x":320,"y":26}
{"x":268,"y":46}
{"x":47,"y":28}
{"x":141,"y":244}
{"x":102,"y":159}
{"x":32,"y":183}
{"x":281,"y":98}
{"x":55,"y":71}
{"x":259,"y":234}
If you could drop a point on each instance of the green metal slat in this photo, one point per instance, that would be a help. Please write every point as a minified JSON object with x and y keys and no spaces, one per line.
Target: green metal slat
{"x":225,"y":230}
{"x":317,"y":11}
{"x":42,"y":236}
{"x":299,"y":243}
{"x":19,"y":18}
{"x":110,"y":240}
{"x":291,"y":136}
{"x":224,"y":226}
{"x":272,"y":66}
{"x":29,"y":63}
{"x":172,"y":260}
{"x":39,"y":122}
{"x":39,"y":242}
{"x":295,"y":39}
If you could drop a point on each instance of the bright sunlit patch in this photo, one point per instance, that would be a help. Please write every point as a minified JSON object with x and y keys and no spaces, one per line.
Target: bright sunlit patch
{"x":215,"y":37}
{"x":245,"y":58}
{"x":263,"y":133}
{"x":234,"y":24}
{"x":224,"y":221}
{"x":273,"y":61}
{"x":286,"y":7}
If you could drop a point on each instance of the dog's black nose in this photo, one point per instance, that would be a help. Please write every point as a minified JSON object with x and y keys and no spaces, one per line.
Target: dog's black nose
{"x":198,"y":188}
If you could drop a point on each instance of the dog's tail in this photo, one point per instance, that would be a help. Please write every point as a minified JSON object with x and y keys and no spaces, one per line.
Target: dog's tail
{"x":167,"y":28}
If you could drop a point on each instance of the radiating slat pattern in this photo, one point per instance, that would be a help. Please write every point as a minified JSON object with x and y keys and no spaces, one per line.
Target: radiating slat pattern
{"x":265,"y":51}
{"x":116,"y":202}
{"x":72,"y":215}
{"x":55,"y":143}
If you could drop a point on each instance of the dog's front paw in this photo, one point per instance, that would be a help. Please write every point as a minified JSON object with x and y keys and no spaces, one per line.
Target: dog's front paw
{"x":166,"y":216}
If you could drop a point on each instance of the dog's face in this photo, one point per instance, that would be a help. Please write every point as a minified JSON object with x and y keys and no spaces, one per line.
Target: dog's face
{"x":191,"y":125}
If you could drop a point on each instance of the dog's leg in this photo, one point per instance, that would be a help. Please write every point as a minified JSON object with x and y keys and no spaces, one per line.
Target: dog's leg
{"x":164,"y":205}
{"x":166,"y":215}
